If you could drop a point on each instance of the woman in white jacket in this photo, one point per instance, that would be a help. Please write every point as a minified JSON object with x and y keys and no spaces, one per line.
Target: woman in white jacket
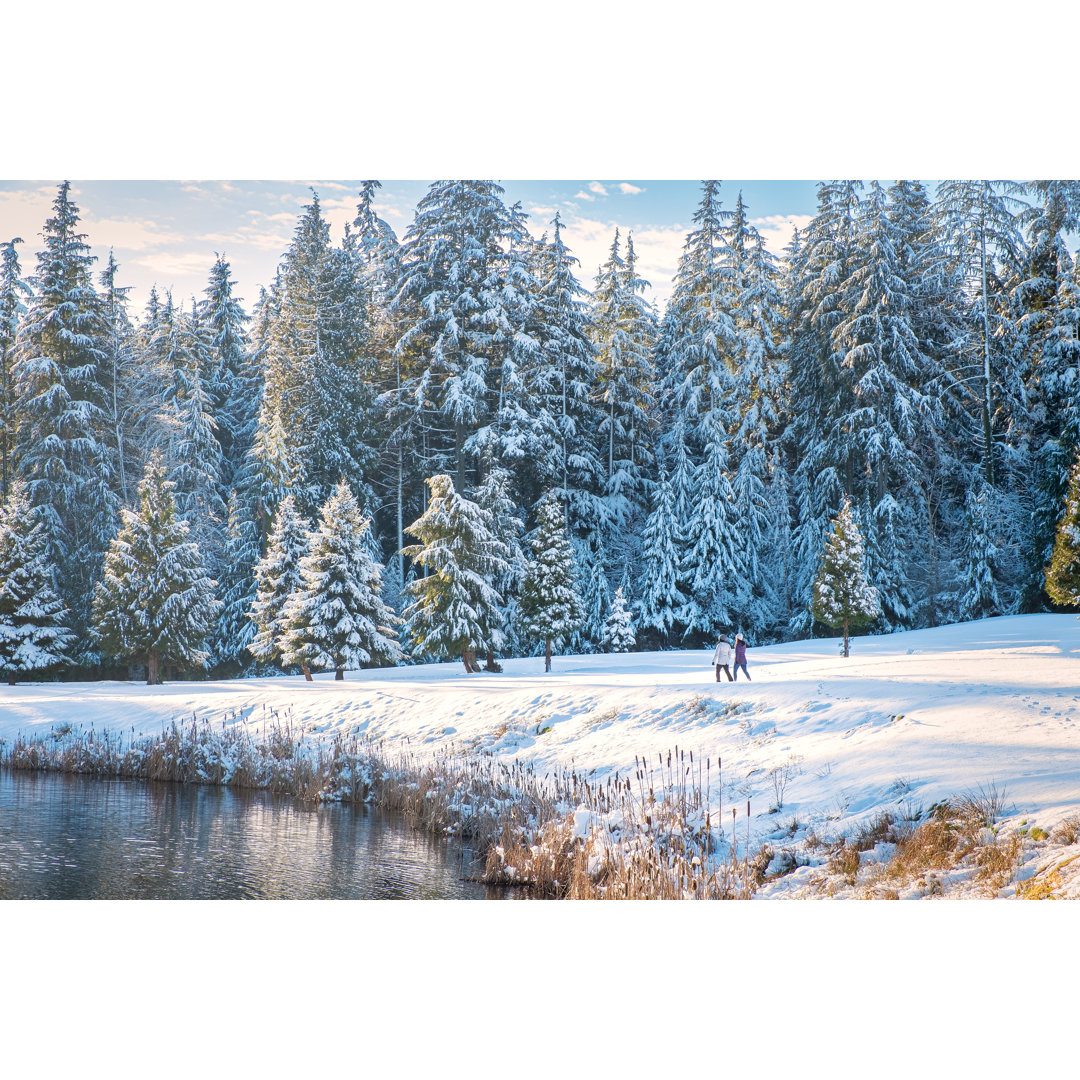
{"x":722,"y":658}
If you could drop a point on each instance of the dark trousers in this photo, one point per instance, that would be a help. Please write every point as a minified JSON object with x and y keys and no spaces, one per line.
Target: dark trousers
{"x":726,"y":671}
{"x":745,"y":672}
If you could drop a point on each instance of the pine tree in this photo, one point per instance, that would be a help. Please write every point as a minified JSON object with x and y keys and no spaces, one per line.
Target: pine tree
{"x":493,"y":495}
{"x":624,"y":333}
{"x":119,"y":371}
{"x":978,"y":590}
{"x":715,"y":563}
{"x":235,"y":629}
{"x":977,"y":226}
{"x":61,"y":443}
{"x":155,"y":601}
{"x":336,"y":617}
{"x":34,"y":637}
{"x":318,"y":379}
{"x":277,"y":577}
{"x":661,"y":602}
{"x":619,"y":628}
{"x":591,"y":556}
{"x":1063,"y":572}
{"x":457,"y":608}
{"x":558,"y":378}
{"x":551,"y":609}
{"x":14,"y":293}
{"x":842,"y":595}
{"x":455,"y":321}
{"x":231,"y":381}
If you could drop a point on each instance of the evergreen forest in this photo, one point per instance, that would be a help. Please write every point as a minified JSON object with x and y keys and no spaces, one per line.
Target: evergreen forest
{"x":448,"y":444}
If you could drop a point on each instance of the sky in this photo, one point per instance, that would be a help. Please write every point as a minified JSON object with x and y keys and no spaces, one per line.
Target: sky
{"x":168,"y":232}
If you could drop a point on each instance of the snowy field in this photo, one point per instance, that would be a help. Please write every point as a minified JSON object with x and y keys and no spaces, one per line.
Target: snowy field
{"x":906,"y":721}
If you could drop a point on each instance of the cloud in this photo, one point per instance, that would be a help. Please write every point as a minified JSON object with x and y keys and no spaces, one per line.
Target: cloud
{"x":597,"y":188}
{"x":125,"y":234}
{"x":584,"y":195}
{"x":776,"y":229}
{"x":629,"y":189}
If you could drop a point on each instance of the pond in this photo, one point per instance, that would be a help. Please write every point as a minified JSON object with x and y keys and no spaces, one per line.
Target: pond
{"x":76,"y":838}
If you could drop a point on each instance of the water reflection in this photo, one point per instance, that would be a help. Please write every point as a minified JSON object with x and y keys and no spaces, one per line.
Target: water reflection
{"x":70,"y":837}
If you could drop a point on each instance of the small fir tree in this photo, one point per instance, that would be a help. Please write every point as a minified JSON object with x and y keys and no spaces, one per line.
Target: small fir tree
{"x":1063,"y":573}
{"x":336,"y":618}
{"x":842,"y":595}
{"x":551,"y":608}
{"x":156,"y":601}
{"x":458,"y":609}
{"x":277,"y":577}
{"x":978,"y":589}
{"x":619,"y":629}
{"x":33,"y":634}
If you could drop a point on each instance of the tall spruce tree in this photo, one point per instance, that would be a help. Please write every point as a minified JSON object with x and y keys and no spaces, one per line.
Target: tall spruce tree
{"x":457,"y":609}
{"x":1063,"y":571}
{"x":155,"y":602}
{"x":34,"y":638}
{"x":62,"y":443}
{"x":14,"y":293}
{"x":551,"y":608}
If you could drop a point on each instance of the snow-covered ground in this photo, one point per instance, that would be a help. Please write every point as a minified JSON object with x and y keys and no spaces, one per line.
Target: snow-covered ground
{"x":906,"y":721}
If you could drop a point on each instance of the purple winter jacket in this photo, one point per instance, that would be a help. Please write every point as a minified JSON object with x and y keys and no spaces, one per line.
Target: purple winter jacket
{"x":740,"y":652}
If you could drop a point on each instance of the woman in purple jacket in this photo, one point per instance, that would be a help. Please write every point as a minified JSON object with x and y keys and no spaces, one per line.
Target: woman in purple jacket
{"x":740,"y":657}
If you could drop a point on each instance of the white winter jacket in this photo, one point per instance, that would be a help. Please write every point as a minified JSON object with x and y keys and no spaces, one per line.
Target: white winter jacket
{"x":722,"y":655}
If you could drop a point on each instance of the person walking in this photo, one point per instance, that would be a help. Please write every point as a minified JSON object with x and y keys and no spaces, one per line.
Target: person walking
{"x":722,"y":658}
{"x":740,"y":657}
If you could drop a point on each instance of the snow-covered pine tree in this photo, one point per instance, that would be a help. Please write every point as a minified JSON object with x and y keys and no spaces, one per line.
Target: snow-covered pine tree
{"x":591,"y":556}
{"x":551,"y":608}
{"x":818,"y":382}
{"x":454,"y":317}
{"x":230,"y":379}
{"x":318,"y":379}
{"x":458,"y":609}
{"x":976,"y":225}
{"x":843,"y":598}
{"x":277,"y":577}
{"x":119,"y":370}
{"x":14,"y":293}
{"x":661,"y":601}
{"x":978,"y":597}
{"x":336,"y":617}
{"x":1063,"y":571}
{"x":493,"y":495}
{"x":155,"y":602}
{"x":624,"y":333}
{"x":557,"y":431}
{"x":237,"y":586}
{"x":715,"y":566}
{"x":619,"y":629}
{"x":189,"y":436}
{"x":34,"y":637}
{"x":62,"y":443}
{"x":758,"y":391}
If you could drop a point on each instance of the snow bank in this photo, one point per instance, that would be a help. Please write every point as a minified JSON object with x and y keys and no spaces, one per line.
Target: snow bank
{"x":813,"y":742}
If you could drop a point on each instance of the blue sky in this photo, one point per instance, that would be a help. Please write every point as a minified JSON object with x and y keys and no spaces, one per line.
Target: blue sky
{"x":166,"y":232}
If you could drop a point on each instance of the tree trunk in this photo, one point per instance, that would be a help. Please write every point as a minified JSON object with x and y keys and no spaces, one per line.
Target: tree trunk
{"x":339,"y":674}
{"x":845,"y":635}
{"x":11,"y":678}
{"x":153,"y":674}
{"x":492,"y":664}
{"x":306,"y":671}
{"x":547,"y":655}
